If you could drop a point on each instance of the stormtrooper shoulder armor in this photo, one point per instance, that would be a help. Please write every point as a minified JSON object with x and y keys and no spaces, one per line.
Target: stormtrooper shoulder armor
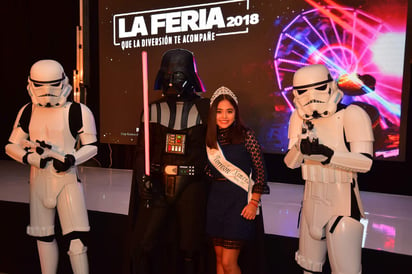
{"x":357,"y":124}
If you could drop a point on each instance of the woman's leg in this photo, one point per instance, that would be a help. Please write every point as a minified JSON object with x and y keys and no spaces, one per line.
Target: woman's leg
{"x":219,"y":253}
{"x":229,"y":261}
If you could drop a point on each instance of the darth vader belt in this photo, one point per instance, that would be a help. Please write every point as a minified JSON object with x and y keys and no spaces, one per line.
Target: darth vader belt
{"x":179,"y":170}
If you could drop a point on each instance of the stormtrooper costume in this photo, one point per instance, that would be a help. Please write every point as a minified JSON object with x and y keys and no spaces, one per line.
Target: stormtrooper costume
{"x":175,"y":191}
{"x":331,"y":143}
{"x":53,"y":136}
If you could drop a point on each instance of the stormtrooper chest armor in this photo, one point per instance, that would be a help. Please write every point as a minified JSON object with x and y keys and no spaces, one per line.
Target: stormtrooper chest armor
{"x":52,"y":126}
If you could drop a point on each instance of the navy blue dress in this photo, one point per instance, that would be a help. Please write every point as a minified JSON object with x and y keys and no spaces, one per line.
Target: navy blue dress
{"x":225,"y":225}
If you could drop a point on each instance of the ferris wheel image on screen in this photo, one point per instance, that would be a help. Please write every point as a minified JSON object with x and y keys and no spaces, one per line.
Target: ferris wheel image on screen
{"x":363,"y":54}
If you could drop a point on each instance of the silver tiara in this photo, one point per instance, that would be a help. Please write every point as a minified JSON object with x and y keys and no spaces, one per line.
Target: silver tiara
{"x":223,"y":91}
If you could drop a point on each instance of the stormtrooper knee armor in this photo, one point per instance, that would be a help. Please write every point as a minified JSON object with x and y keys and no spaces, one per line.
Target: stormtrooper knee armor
{"x":344,"y":242}
{"x":78,"y":257}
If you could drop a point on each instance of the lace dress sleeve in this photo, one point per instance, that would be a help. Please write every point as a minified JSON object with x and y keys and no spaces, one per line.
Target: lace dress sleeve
{"x":258,"y":164}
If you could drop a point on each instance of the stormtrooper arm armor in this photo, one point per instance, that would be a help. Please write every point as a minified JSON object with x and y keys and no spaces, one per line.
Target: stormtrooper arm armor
{"x":15,"y":149}
{"x":356,"y":162}
{"x":85,"y":153}
{"x":294,"y":158}
{"x":359,"y":134}
{"x":87,"y":136}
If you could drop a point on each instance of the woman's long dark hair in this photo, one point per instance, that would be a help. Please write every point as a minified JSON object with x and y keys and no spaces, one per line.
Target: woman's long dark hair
{"x":237,"y":128}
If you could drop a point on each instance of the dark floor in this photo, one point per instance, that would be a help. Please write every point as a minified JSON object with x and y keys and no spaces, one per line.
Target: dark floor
{"x":106,"y":248}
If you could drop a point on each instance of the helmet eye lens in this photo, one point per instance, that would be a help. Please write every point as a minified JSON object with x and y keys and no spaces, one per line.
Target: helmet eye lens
{"x":301,"y":91}
{"x":42,"y":84}
{"x":322,"y":87}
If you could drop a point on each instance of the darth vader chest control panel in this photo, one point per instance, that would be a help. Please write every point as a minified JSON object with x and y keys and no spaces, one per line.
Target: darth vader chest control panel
{"x":175,"y":143}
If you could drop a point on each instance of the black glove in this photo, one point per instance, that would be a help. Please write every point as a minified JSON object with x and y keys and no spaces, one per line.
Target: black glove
{"x":44,"y":161}
{"x":306,"y":146}
{"x":145,"y":184}
{"x":145,"y":188}
{"x":309,"y":147}
{"x":69,"y":161}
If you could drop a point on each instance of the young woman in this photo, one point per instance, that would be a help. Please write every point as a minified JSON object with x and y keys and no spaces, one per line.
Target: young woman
{"x":237,"y":170}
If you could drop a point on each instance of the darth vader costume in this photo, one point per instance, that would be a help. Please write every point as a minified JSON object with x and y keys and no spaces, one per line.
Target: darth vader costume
{"x":167,"y":208}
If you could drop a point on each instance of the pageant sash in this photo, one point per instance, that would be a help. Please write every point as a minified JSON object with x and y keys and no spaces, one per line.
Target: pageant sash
{"x":229,"y":170}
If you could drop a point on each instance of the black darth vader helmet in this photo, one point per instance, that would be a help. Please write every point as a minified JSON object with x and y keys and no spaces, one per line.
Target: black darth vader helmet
{"x":178,"y":74}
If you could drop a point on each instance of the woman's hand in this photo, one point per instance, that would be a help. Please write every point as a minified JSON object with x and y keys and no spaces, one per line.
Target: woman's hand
{"x":249,"y":211}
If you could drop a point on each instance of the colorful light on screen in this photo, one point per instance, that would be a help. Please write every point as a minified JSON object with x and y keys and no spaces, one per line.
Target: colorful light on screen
{"x":386,"y":49}
{"x":349,"y":41}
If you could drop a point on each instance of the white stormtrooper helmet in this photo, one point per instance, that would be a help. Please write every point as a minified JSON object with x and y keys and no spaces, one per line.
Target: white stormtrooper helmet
{"x":316,"y":93}
{"x":48,"y":85}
